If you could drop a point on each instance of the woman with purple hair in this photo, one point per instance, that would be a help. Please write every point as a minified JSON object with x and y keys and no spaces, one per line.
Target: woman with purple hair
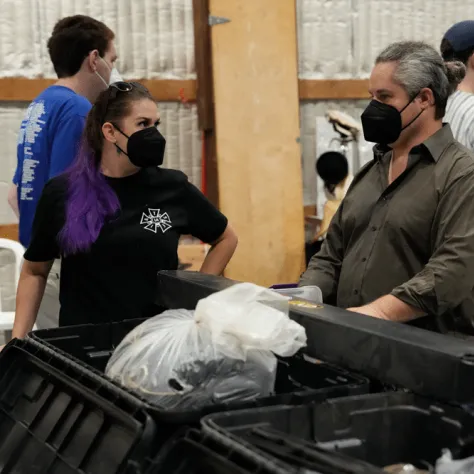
{"x":115,"y":219}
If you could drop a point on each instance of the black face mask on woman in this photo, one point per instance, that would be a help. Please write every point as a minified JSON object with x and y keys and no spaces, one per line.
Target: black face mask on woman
{"x":382,"y":123}
{"x":145,"y":148}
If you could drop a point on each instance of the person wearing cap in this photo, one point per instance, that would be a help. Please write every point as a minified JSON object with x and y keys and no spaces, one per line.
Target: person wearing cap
{"x":401,"y":244}
{"x":458,"y":45}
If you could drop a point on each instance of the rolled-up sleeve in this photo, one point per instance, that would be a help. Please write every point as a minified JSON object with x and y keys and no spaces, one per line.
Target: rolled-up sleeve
{"x":448,"y":277}
{"x":325,"y":267}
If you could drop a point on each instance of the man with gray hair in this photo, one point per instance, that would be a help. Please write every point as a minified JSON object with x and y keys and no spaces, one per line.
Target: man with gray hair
{"x":401,"y":245}
{"x":458,"y":45}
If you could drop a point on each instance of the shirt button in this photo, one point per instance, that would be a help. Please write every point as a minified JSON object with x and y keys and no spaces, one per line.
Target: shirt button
{"x":364,"y":259}
{"x":356,"y":292}
{"x":374,"y":228}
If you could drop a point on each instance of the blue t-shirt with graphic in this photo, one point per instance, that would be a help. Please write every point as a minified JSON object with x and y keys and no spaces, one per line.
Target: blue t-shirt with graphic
{"x":47,"y":144}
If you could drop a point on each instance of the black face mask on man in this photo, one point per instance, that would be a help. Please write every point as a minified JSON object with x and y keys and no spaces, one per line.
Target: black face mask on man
{"x":382,"y":123}
{"x":145,"y":148}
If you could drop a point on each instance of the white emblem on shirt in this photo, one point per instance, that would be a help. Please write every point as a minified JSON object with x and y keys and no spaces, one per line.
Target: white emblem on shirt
{"x":154,"y":221}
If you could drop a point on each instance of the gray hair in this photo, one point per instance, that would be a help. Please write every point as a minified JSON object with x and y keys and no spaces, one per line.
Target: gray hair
{"x":419,"y":66}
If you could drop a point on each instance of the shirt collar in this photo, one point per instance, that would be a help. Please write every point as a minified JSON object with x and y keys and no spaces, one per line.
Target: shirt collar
{"x":433,"y":146}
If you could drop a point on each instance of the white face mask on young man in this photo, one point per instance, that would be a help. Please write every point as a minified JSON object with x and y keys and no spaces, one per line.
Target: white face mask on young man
{"x":114,"y":75}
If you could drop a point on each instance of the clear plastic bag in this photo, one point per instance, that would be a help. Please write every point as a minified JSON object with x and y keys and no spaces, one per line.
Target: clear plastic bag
{"x":309,"y":293}
{"x":222,"y":352}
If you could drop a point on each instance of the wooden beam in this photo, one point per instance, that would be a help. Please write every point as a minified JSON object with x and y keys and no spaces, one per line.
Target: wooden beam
{"x":203,"y":59}
{"x":335,"y":89}
{"x":9,"y":231}
{"x":205,"y":99}
{"x":20,"y":89}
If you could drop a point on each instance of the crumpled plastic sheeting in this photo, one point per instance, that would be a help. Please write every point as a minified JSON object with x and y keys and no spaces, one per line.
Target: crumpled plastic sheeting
{"x":154,"y":38}
{"x":341,"y":38}
{"x":20,"y":39}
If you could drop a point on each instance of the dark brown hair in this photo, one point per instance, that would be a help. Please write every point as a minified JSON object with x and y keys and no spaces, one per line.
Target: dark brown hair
{"x":112,"y":106}
{"x":73,"y":38}
{"x":449,"y":54}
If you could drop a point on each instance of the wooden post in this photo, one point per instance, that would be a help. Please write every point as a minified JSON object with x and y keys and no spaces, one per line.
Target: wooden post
{"x":254,"y":59}
{"x":205,"y":97}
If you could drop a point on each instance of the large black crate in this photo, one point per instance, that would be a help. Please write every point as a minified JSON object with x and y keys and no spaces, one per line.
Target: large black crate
{"x":56,"y":420}
{"x":298,"y":380}
{"x":197,"y":453}
{"x":379,"y":429}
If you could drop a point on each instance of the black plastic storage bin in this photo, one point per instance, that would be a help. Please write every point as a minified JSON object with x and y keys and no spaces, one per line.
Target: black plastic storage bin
{"x":197,"y":453}
{"x":55,"y":420}
{"x":381,"y":429}
{"x":298,"y":381}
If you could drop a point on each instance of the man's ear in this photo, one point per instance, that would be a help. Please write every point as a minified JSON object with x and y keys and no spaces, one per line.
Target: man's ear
{"x":109,"y":132}
{"x":93,"y":59}
{"x":427,"y":97}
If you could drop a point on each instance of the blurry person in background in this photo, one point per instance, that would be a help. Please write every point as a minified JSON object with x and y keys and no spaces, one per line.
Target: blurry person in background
{"x":116,"y":217}
{"x":401,"y":244}
{"x":333,"y":168}
{"x":458,"y":45}
{"x":83,"y":54}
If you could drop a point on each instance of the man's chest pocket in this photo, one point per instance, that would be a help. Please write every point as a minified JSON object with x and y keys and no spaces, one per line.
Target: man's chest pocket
{"x":410,"y":219}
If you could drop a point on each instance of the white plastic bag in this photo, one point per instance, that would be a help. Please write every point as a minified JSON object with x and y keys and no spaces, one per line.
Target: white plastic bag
{"x":222,"y":352}
{"x":447,"y":465}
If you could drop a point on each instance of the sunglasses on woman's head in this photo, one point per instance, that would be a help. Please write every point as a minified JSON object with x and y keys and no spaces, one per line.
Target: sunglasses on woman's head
{"x":117,"y":87}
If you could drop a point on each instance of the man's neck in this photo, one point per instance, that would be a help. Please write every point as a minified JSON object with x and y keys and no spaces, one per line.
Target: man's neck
{"x":79,"y":85}
{"x":467,"y":84}
{"x":402,"y":150}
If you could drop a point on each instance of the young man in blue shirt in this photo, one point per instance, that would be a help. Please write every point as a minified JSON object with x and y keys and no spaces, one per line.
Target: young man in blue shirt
{"x":83,"y":54}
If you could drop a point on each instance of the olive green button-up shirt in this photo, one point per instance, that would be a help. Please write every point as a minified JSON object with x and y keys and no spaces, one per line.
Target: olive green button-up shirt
{"x":413,"y":239}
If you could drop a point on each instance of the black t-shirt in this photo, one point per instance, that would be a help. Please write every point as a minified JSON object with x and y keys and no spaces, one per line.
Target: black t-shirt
{"x":116,"y":278}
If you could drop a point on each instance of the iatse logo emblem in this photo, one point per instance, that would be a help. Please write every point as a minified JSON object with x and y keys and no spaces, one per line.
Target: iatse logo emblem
{"x":155,"y":220}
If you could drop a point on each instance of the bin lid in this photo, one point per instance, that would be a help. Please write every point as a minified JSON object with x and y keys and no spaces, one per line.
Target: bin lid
{"x":425,"y":362}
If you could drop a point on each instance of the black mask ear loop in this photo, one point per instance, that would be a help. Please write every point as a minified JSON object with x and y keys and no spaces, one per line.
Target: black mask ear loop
{"x":422,"y":110}
{"x":125,"y":135}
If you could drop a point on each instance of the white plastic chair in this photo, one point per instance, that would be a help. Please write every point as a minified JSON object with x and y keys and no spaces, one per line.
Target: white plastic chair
{"x":7,"y":318}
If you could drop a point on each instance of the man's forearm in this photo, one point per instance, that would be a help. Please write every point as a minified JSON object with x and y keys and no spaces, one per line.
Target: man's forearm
{"x":391,"y":308}
{"x":395,"y":309}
